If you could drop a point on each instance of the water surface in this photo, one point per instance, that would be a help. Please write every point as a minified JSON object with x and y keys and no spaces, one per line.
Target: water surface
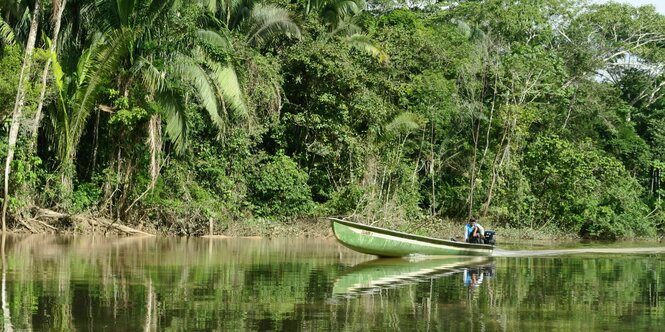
{"x":179,"y":284}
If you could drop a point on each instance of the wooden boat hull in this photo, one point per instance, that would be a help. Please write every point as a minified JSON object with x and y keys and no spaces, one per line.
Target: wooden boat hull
{"x":388,"y":243}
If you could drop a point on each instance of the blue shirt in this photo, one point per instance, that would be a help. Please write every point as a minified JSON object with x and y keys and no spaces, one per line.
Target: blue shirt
{"x":468,"y":229}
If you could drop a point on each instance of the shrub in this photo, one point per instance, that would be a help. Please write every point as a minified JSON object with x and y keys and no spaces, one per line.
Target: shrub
{"x":86,"y":196}
{"x":345,"y":200}
{"x":278,"y":187}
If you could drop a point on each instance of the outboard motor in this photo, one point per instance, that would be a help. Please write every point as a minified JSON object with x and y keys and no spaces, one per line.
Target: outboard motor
{"x":489,"y":237}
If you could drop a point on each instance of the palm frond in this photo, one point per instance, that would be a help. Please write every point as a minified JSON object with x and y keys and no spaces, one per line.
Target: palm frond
{"x":364,"y":44}
{"x":215,"y":85}
{"x":176,"y":120}
{"x":61,"y":105}
{"x":335,"y":12}
{"x":113,"y":14}
{"x":405,"y":122}
{"x":313,"y":6}
{"x":23,"y":26}
{"x":268,"y":21}
{"x":6,"y":33}
{"x":124,"y":10}
{"x":99,"y":14}
{"x":153,"y":79}
{"x":66,"y":39}
{"x":226,"y":80}
{"x":234,"y":12}
{"x":88,"y":59}
{"x":157,"y":9}
{"x":189,"y":71}
{"x":105,"y":60}
{"x":345,"y":8}
{"x":214,"y":39}
{"x":346,"y":28}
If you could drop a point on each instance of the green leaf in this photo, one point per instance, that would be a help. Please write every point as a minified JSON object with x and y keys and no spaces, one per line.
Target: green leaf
{"x":124,"y":9}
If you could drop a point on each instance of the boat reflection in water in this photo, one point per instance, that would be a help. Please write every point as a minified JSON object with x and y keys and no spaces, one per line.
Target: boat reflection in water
{"x":385,"y":273}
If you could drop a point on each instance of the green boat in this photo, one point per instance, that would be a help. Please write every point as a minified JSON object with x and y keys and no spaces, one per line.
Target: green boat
{"x":387,"y":273}
{"x":388,"y":243}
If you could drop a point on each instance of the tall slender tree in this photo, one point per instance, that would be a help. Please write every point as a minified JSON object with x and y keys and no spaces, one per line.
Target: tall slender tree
{"x":18,"y":106}
{"x":58,"y":9}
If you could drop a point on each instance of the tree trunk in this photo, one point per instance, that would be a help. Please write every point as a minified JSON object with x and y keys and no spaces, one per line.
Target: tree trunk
{"x":472,"y":176}
{"x":18,"y":108}
{"x":498,"y":161}
{"x":58,"y":8}
{"x":155,"y":143}
{"x":431,"y":172}
{"x":95,"y":144}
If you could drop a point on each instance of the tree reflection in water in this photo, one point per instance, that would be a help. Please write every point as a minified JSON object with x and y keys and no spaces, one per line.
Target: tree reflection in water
{"x":131,"y":284}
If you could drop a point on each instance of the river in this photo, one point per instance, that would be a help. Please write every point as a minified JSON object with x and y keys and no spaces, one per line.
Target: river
{"x":179,"y":284}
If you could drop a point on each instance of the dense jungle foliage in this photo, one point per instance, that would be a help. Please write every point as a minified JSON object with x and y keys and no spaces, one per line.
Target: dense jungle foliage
{"x":544,"y":114}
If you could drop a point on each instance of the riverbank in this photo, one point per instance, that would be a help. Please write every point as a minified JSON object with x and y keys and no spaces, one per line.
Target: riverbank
{"x":45,"y":221}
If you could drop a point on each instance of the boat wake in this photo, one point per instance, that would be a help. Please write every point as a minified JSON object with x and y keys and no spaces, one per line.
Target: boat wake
{"x":558,"y":252}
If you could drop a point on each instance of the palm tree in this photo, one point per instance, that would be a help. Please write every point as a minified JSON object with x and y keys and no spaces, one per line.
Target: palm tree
{"x":116,"y":52}
{"x":214,"y":78}
{"x":144,"y":18}
{"x":77,"y":95}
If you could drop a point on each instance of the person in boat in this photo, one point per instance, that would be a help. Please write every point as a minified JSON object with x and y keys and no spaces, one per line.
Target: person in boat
{"x":473,"y":231}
